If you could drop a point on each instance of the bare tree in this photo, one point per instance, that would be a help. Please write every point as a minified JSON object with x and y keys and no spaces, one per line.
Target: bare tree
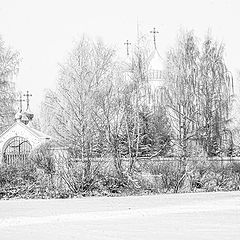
{"x":198,"y":99}
{"x":9,"y":63}
{"x":216,"y":95}
{"x":199,"y":94}
{"x":85,"y":73}
{"x":182,"y":77}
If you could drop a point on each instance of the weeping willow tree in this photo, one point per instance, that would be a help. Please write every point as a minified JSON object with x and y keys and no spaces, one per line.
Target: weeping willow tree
{"x":199,"y":96}
{"x":181,"y":74}
{"x":215,"y":90}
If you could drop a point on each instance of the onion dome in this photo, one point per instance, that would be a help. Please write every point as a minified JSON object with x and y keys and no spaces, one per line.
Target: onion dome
{"x":24,"y":118}
{"x":29,"y":114}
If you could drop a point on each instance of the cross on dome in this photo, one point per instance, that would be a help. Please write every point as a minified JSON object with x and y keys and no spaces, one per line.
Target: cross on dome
{"x":127,"y":43}
{"x":154,"y":32}
{"x":20,"y":100}
{"x":27,"y":99}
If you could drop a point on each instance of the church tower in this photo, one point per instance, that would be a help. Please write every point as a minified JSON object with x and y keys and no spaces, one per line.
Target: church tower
{"x":155,"y":74}
{"x":155,"y":77}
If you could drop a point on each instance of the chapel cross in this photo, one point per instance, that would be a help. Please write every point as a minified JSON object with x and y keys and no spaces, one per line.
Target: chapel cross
{"x":27,"y":98}
{"x":20,"y":100}
{"x":127,"y":43}
{"x":154,"y":32}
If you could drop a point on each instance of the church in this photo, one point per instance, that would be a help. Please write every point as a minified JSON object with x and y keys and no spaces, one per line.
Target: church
{"x":17,"y":142}
{"x":19,"y":139}
{"x":153,"y":88}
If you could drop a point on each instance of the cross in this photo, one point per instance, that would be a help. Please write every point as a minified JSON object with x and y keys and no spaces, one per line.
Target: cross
{"x":20,"y":100}
{"x":127,"y":43}
{"x":27,"y":98}
{"x":154,"y":32}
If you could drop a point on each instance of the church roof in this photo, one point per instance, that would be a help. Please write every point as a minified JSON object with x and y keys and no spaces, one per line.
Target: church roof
{"x":37,"y":132}
{"x":31,"y":130}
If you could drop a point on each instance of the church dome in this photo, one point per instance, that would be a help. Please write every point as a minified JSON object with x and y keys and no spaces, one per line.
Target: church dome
{"x":29,"y":114}
{"x":24,"y":118}
{"x":155,"y":67}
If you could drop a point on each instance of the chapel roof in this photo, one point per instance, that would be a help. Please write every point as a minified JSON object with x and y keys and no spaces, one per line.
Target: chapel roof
{"x":33,"y":131}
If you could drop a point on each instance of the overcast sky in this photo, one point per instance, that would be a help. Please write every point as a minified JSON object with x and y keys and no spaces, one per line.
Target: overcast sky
{"x":45,"y":31}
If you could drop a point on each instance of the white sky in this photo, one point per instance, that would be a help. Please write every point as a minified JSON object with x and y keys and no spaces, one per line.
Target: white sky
{"x":45,"y":31}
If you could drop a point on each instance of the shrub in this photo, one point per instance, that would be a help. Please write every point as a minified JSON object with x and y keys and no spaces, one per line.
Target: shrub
{"x":43,"y":157}
{"x":169,"y":175}
{"x":79,"y":177}
{"x":15,"y":181}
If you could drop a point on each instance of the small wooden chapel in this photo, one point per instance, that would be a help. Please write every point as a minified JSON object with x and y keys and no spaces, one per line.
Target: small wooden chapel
{"x":19,"y":139}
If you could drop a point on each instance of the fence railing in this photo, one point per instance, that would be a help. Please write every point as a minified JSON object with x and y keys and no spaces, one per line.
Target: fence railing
{"x":163,"y":159}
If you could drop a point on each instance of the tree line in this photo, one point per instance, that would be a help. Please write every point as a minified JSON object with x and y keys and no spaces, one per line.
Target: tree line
{"x":103,"y":106}
{"x":114,"y":123}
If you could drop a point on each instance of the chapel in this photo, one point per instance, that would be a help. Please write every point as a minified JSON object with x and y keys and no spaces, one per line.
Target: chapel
{"x":20,"y":138}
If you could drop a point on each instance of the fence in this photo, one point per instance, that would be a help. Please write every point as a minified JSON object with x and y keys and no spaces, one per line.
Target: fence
{"x":163,"y":159}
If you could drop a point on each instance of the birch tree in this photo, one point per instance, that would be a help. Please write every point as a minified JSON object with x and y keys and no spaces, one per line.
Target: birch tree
{"x":216,"y":95}
{"x":182,"y":101}
{"x":9,"y":63}
{"x":81,"y":77}
{"x":199,"y":95}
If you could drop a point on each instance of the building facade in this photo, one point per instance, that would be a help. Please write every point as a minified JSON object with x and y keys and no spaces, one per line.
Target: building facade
{"x":18,"y":140}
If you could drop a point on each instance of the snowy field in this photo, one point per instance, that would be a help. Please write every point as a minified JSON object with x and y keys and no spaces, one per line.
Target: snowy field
{"x":181,"y":216}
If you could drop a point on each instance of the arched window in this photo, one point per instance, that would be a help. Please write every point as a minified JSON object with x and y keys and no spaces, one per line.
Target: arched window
{"x":16,"y":151}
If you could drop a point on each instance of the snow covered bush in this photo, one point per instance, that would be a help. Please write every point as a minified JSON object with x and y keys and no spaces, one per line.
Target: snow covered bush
{"x":15,"y":181}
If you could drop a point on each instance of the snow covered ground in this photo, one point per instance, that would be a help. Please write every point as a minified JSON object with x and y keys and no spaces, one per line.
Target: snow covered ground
{"x":196,"y":216}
